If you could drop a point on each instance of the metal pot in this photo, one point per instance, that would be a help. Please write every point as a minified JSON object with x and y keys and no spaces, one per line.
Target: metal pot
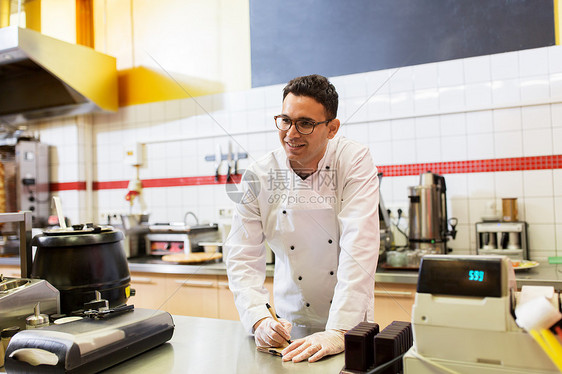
{"x":81,"y":261}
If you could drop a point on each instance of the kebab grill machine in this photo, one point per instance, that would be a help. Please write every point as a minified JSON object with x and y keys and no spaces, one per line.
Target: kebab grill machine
{"x":83,"y":269}
{"x":469,"y":318}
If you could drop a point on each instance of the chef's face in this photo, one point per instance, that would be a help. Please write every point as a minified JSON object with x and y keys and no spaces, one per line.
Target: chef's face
{"x":305,"y":151}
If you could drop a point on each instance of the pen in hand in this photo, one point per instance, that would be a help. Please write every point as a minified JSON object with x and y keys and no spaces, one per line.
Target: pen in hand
{"x":274,"y":315}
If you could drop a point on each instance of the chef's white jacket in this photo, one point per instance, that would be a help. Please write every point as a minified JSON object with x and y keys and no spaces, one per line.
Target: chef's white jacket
{"x":324,"y":231}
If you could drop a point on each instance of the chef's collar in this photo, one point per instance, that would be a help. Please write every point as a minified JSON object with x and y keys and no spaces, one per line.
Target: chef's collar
{"x":321,"y":164}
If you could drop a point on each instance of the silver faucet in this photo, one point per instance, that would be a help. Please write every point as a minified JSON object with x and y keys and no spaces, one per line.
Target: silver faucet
{"x":190,"y":214}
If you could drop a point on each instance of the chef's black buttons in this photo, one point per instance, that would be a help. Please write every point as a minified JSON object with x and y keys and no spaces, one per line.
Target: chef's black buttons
{"x":331,"y":273}
{"x":292,"y":247}
{"x":284,"y":212}
{"x":330,"y":241}
{"x":327,"y":167}
{"x":330,"y":301}
{"x":300,"y":278}
{"x":307,"y":305}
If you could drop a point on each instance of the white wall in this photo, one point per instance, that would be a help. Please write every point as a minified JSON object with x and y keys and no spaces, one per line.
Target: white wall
{"x":499,"y":106}
{"x":207,"y":40}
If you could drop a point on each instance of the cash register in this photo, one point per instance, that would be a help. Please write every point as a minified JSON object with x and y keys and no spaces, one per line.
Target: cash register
{"x":463,"y":319}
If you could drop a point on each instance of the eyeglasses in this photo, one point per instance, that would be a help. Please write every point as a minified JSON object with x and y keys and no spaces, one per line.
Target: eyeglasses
{"x":303,"y":126}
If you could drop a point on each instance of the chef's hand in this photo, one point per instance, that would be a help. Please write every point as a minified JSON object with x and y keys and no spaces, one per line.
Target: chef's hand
{"x":315,"y":346}
{"x":270,"y":333}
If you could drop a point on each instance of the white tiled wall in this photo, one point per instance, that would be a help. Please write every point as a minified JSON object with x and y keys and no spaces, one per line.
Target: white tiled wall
{"x":505,"y":105}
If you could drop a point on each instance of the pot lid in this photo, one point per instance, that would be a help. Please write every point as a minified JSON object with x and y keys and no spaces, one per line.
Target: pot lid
{"x":77,"y":235}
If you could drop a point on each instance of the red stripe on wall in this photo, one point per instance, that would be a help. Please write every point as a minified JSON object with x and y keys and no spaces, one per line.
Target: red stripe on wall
{"x":451,"y":167}
{"x":110,"y":185}
{"x":67,"y":186}
{"x":168,"y":182}
{"x":475,"y":166}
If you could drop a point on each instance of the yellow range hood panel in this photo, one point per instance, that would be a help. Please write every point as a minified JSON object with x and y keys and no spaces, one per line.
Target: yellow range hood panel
{"x":42,"y":77}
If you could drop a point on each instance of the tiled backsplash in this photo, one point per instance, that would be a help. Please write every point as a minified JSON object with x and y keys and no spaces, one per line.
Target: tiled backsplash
{"x":489,"y":107}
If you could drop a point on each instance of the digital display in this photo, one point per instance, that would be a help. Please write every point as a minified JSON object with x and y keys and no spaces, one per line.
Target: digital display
{"x":476,"y":275}
{"x":456,"y":276}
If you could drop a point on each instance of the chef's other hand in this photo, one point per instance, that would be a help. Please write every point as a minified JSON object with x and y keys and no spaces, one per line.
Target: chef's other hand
{"x":270,"y":333}
{"x":315,"y":346}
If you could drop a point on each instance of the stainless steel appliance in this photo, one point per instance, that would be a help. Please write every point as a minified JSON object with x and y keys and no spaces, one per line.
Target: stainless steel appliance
{"x":88,"y":345}
{"x":43,"y":77}
{"x":18,"y":297}
{"x":428,"y":223}
{"x":25,"y":165}
{"x":503,"y":238}
{"x":163,"y":239}
{"x":134,"y":227}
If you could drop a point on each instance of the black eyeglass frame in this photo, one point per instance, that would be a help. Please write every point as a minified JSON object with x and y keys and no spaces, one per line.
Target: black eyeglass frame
{"x":294,"y":121}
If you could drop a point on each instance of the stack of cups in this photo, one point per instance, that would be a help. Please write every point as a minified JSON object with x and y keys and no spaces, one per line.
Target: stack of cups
{"x":509,"y":209}
{"x":510,"y":214}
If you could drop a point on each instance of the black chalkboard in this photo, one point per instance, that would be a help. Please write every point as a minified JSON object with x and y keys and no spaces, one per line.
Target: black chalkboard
{"x":290,"y":38}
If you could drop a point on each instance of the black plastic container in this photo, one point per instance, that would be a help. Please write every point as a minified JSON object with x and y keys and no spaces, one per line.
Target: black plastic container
{"x":80,"y":262}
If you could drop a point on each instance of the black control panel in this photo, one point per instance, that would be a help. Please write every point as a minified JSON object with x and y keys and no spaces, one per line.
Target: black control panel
{"x":447,"y":275}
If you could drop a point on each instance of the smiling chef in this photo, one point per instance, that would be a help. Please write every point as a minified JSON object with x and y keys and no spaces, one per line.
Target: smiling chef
{"x":315,"y":201}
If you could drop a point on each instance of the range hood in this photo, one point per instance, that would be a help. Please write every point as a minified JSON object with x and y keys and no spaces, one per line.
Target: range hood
{"x":42,"y":77}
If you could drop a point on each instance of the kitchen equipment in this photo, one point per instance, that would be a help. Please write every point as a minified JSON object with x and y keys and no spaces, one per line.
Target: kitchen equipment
{"x":428,"y":223}
{"x":58,"y":209}
{"x":88,"y":345}
{"x":81,"y":260}
{"x":509,"y":210}
{"x":25,"y":183}
{"x":38,"y":81}
{"x":463,"y":319}
{"x":385,"y":228}
{"x":37,"y":319}
{"x":503,"y":238}
{"x":18,"y":297}
{"x":164,"y":239}
{"x":135,"y":228}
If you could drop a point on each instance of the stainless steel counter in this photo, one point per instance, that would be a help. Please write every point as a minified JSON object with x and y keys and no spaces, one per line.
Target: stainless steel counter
{"x":205,"y":345}
{"x":148,"y":265}
{"x":545,"y":274}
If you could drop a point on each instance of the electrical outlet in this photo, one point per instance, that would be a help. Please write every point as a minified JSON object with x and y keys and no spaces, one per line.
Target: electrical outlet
{"x":110,"y":218}
{"x":394,"y":210}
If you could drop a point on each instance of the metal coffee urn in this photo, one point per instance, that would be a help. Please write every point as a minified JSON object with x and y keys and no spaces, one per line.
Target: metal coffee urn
{"x":428,"y":223}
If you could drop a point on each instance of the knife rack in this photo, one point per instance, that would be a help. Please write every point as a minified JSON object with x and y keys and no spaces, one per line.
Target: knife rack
{"x":224,"y":156}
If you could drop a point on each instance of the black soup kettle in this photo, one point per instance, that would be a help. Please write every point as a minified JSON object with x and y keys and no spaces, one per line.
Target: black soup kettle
{"x":81,"y":260}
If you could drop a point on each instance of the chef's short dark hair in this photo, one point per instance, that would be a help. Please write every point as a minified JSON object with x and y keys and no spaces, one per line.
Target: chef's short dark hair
{"x":317,"y":87}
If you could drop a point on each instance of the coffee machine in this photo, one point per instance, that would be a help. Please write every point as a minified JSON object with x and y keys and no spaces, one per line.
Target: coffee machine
{"x":427,"y":214}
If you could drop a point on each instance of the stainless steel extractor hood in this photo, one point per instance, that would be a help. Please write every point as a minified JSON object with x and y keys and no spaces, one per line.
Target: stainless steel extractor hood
{"x":42,"y":77}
